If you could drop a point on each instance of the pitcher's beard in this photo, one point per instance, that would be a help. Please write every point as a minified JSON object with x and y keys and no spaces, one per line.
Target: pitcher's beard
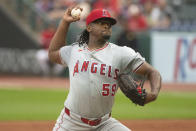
{"x":106,"y":37}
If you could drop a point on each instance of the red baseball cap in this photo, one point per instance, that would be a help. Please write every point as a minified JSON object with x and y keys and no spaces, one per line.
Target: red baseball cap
{"x":98,"y":14}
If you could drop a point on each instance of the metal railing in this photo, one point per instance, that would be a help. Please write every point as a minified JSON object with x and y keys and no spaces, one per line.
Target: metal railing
{"x":26,"y":10}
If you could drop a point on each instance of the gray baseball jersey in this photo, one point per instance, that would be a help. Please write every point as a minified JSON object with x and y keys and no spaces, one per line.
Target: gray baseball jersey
{"x":93,"y":76}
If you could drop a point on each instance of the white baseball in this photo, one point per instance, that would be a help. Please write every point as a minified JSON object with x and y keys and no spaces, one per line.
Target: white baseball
{"x":75,"y":13}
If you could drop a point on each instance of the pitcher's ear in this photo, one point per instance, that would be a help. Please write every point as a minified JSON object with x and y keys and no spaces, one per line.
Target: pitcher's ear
{"x":89,"y":28}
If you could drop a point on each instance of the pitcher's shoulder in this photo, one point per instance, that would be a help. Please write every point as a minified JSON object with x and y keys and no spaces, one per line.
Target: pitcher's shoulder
{"x":117,"y":47}
{"x":113,"y":45}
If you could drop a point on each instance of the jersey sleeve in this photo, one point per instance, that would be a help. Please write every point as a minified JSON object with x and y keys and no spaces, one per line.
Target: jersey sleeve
{"x":65,"y":53}
{"x":131,"y":60}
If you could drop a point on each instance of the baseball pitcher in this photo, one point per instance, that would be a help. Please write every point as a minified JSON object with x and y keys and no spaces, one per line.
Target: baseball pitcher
{"x":97,"y":68}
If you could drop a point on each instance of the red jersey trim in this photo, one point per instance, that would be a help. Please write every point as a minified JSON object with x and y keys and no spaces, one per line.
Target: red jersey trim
{"x":138,"y":67}
{"x":100,"y":48}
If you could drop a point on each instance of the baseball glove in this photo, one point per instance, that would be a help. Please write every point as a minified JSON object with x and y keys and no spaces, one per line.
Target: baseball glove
{"x":132,"y":88}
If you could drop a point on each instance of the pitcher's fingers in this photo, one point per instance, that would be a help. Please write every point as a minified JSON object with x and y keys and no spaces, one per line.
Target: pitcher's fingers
{"x":69,"y":11}
{"x":78,"y":7}
{"x":73,"y":6}
{"x":76,"y":19}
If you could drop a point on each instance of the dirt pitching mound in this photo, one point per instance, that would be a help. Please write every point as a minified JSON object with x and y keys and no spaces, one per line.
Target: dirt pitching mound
{"x":134,"y":125}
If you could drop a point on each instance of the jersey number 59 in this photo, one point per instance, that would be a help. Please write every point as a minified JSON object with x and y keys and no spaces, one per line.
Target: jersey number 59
{"x":109,"y":89}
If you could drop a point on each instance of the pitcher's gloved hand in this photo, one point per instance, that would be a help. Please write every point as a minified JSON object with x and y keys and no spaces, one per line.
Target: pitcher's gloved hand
{"x":131,"y":89}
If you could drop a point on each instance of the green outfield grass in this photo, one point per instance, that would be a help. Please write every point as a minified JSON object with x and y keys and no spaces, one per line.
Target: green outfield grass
{"x":46,"y":104}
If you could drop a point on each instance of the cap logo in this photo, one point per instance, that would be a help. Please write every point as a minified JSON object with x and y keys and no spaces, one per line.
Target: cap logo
{"x":97,"y":14}
{"x":104,"y":13}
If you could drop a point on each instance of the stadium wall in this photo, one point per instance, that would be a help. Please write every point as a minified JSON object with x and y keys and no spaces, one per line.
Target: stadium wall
{"x":174,"y":55}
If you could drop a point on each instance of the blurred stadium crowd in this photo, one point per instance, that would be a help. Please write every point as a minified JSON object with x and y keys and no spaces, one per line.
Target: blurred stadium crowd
{"x":133,"y":15}
{"x":140,"y":15}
